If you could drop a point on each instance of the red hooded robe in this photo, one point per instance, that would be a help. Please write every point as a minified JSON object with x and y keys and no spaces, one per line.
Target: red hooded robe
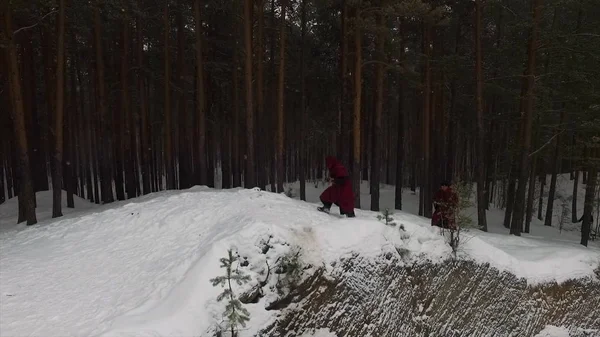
{"x":340,"y":192}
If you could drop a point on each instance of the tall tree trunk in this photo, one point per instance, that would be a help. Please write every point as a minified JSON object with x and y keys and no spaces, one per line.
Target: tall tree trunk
{"x":481,"y":198}
{"x":530,"y":193}
{"x":200,"y":97}
{"x":57,"y":177}
{"x":400,"y":141}
{"x":526,"y":121}
{"x":126,"y":127}
{"x":168,"y":146}
{"x":280,"y":100}
{"x":555,"y":168}
{"x":541,"y":198}
{"x":184,"y":126}
{"x":343,"y":139}
{"x":261,"y":116}
{"x":303,"y":111}
{"x":104,"y":120}
{"x":26,"y":194}
{"x":588,"y":206}
{"x":380,"y":78}
{"x":250,"y":175}
{"x":146,"y":152}
{"x":273,"y":110}
{"x":574,"y":200}
{"x":426,"y":169}
{"x":235,"y":165}
{"x":357,"y":105}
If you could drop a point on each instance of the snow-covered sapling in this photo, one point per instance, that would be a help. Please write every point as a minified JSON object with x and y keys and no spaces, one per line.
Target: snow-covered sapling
{"x":386,"y":217}
{"x":463,"y":219}
{"x":235,"y":314}
{"x":291,"y":267}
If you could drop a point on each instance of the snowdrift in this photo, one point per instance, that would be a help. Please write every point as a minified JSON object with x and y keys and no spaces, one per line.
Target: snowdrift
{"x":142,"y":268}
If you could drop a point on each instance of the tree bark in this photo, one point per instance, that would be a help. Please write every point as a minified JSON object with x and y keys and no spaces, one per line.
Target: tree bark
{"x":104,"y":121}
{"x":481,"y":196}
{"x":146,"y":152}
{"x":280,"y":100}
{"x":426,"y":169}
{"x":589,"y":203}
{"x":526,"y":121}
{"x":380,"y":78}
{"x":57,"y":178}
{"x":303,"y":111}
{"x":357,"y":105}
{"x":400,"y":141}
{"x":343,"y":139}
{"x":261,"y":116}
{"x":574,"y":200}
{"x":556,"y":159}
{"x":250,"y":174}
{"x":26,"y":194}
{"x":168,"y":146}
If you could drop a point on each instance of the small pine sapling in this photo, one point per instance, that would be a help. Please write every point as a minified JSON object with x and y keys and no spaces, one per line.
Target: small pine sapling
{"x":292,"y":267}
{"x":386,"y":217}
{"x":463,"y":218}
{"x":235,"y":313}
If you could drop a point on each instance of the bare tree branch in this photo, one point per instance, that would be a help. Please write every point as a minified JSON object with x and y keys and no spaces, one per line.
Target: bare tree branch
{"x":35,"y":24}
{"x":546,"y":144}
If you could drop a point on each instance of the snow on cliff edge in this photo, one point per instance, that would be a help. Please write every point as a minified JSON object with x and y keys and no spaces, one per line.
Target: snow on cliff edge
{"x":143,"y":267}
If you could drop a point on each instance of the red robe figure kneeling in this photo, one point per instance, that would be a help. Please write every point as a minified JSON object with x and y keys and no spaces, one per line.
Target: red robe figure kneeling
{"x":340,"y":192}
{"x":445,"y":202}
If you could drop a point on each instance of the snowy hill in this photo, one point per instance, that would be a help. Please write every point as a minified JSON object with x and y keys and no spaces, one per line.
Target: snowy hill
{"x":143,"y":268}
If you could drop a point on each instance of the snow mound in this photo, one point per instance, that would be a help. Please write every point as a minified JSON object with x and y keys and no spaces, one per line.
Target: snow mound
{"x":143,"y":268}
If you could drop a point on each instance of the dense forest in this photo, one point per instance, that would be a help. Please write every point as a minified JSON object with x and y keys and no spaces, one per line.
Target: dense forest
{"x":113,"y":99}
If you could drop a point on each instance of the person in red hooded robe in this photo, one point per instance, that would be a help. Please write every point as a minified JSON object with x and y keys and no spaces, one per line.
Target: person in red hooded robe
{"x":445,"y":202}
{"x":340,"y":192}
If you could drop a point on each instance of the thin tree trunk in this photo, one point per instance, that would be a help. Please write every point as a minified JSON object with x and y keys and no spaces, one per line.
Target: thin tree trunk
{"x":250,"y":174}
{"x":57,"y":177}
{"x":343,"y":138}
{"x":530,"y":193}
{"x":574,"y":200}
{"x":104,"y":121}
{"x":357,"y":105}
{"x":541,"y":199}
{"x":168,"y":145}
{"x":280,"y":101}
{"x":261,"y":116}
{"x":555,"y":168}
{"x":400,"y":141}
{"x":526,"y":121}
{"x":303,"y":111}
{"x":235,"y":166}
{"x":200,"y":97}
{"x":146,"y":152}
{"x":481,"y":198}
{"x":589,"y":203}
{"x":426,"y":178}
{"x":377,"y":139}
{"x":126,"y":152}
{"x":26,"y":194}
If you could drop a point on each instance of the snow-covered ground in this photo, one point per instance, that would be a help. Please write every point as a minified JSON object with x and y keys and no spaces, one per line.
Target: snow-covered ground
{"x":143,"y":267}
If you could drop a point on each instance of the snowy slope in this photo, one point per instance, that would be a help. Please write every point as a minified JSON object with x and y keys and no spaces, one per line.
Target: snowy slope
{"x":143,"y":268}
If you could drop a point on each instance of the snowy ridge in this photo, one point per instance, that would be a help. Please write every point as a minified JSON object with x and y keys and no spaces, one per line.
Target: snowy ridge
{"x":143,"y":268}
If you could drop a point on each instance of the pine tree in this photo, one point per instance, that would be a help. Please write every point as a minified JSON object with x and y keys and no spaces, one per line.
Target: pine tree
{"x":235,"y":313}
